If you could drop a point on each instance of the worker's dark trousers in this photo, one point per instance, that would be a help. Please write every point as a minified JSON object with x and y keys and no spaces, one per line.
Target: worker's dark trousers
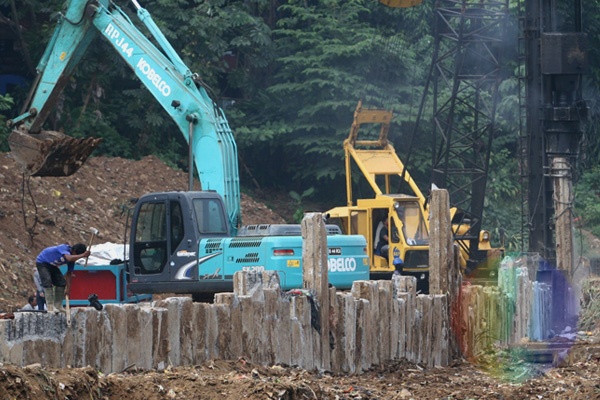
{"x":41,"y":300}
{"x":50,"y":275}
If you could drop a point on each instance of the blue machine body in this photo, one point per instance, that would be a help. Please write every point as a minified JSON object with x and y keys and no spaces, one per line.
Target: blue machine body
{"x":181,"y":244}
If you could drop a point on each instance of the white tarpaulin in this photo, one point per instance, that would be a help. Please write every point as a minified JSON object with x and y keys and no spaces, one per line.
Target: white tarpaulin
{"x":103,"y":254}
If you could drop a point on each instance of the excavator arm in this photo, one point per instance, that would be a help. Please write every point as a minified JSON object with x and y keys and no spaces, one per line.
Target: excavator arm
{"x":165,"y":75}
{"x":50,"y":153}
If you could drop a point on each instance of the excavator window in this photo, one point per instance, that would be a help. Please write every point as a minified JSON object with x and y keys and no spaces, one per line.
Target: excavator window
{"x":210,"y":216}
{"x":394,"y":232}
{"x":177,"y":227}
{"x":150,"y":246}
{"x":378,"y":216}
{"x":414,"y":227}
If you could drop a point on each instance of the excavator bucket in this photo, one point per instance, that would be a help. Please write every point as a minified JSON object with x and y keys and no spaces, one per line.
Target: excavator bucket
{"x":50,"y":153}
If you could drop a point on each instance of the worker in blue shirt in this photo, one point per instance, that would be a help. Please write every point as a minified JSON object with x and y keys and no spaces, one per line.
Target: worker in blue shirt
{"x":53,"y":281}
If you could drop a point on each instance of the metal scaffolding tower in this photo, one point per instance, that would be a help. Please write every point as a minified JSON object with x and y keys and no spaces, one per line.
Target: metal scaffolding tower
{"x":466,"y":76}
{"x":556,"y":58}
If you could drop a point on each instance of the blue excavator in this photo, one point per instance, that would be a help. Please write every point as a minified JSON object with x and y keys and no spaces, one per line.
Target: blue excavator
{"x":180,"y":242}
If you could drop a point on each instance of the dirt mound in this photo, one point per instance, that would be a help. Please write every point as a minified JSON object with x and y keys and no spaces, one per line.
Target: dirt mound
{"x":39,"y":212}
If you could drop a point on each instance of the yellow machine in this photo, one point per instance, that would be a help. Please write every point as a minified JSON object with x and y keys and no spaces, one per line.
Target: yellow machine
{"x":406,"y":214}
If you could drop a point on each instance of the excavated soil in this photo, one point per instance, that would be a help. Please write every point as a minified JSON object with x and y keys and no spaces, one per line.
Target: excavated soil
{"x":38,"y":212}
{"x":220,"y":380}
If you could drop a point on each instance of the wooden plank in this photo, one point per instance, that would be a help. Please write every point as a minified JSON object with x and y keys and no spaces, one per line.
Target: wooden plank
{"x":134,"y":335}
{"x":315,"y":278}
{"x":464,"y":327}
{"x":160,"y":341}
{"x":283,"y":331}
{"x":367,"y":290}
{"x":440,"y":241}
{"x":302,"y":344}
{"x":212,"y":332}
{"x":247,"y":332}
{"x":270,"y":327}
{"x":338,"y":315}
{"x":103,"y":360}
{"x":174,"y":308}
{"x":427,"y":331}
{"x":443,"y":352}
{"x":223,"y":331}
{"x":185,"y":335}
{"x":394,"y":309}
{"x":199,"y":332}
{"x":350,"y":334}
{"x":455,"y":306}
{"x":418,"y":330}
{"x":385,"y":319}
{"x":118,"y":323}
{"x":402,"y":324}
{"x":409,"y":317}
{"x":235,"y":314}
{"x":362,"y":359}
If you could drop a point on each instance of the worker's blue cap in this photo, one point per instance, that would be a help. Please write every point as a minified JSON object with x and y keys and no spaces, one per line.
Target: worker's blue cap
{"x":398,"y":260}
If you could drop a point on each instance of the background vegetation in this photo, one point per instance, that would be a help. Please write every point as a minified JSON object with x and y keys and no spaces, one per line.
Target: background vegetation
{"x":289,"y":74}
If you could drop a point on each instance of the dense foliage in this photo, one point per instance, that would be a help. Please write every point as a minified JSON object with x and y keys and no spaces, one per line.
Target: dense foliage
{"x":288,"y":74}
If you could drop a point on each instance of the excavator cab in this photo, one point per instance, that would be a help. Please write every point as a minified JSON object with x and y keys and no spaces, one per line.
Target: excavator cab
{"x":50,"y":153}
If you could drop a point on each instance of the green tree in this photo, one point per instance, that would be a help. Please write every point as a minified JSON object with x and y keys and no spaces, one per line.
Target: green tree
{"x":6,"y":103}
{"x":289,"y":74}
{"x":587,"y":200}
{"x":329,"y":55}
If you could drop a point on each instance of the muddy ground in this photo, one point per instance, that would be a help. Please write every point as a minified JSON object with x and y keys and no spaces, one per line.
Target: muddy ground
{"x":235,"y":380}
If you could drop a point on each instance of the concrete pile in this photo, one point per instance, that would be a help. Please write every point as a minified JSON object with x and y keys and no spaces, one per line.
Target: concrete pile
{"x":377,"y":321}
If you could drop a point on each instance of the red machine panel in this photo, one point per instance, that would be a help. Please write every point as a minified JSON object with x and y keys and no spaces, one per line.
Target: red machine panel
{"x":84,"y":283}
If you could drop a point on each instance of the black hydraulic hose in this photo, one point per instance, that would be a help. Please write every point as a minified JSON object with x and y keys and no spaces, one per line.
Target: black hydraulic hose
{"x":82,"y":15}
